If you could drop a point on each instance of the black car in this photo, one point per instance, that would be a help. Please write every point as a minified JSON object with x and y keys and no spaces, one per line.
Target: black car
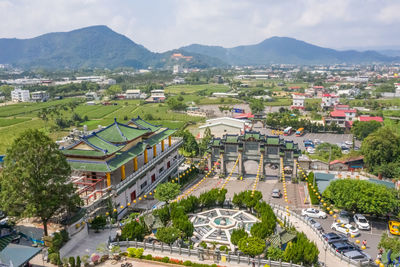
{"x":343,"y":246}
{"x":334,"y":237}
{"x":2,"y":215}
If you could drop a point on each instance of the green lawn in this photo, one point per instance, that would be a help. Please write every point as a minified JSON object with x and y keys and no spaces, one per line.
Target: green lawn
{"x":9,"y":121}
{"x":190,"y":89}
{"x":279,"y":102}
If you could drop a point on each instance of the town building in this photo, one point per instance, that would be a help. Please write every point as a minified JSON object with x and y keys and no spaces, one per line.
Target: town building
{"x":177,"y":69}
{"x":178,"y":80}
{"x":156,"y":96}
{"x":121,"y":162}
{"x":90,"y":96}
{"x":218,"y":94}
{"x":40,"y":96}
{"x":370,"y":118}
{"x":329,"y":100}
{"x":134,"y":94}
{"x":298,"y":101}
{"x":224,"y":125}
{"x":19,"y":95}
{"x":342,"y":115}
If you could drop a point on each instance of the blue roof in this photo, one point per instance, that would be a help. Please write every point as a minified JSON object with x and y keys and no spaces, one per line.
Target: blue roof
{"x":2,"y":158}
{"x":18,"y":254}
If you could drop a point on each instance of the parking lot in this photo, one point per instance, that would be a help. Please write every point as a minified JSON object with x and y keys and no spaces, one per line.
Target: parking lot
{"x":372,"y":236}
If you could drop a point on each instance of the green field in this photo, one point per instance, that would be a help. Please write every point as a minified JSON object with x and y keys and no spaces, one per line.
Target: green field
{"x":14,"y":119}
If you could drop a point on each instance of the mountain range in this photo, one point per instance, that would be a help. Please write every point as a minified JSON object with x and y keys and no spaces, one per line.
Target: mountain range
{"x":101,"y":47}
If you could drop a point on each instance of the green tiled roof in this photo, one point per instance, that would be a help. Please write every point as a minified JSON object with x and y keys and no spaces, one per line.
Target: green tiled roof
{"x":254,"y":135}
{"x":126,"y":156}
{"x":155,"y":139}
{"x":216,"y":142}
{"x":232,"y":139}
{"x":101,"y":147}
{"x":5,"y":240}
{"x":145,"y":125}
{"x":81,"y":152}
{"x":272,"y":140}
{"x":282,"y":238}
{"x":120,"y":133}
{"x":89,"y":166}
{"x":97,"y":142}
{"x":289,"y":145}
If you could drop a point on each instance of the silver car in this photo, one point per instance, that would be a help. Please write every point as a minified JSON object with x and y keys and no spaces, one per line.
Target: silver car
{"x":276,"y":193}
{"x":314,"y":223}
{"x":357,"y":255}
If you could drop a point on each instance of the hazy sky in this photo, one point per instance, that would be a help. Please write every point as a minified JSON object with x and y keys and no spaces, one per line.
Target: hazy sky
{"x":161,"y":25}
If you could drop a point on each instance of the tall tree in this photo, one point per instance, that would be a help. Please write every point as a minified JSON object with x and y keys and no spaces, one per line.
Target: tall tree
{"x":167,"y":192}
{"x":34,"y":182}
{"x":380,"y":148}
{"x":257,"y":106}
{"x":251,"y":246}
{"x":361,"y":129}
{"x":168,"y":235}
{"x":114,"y":90}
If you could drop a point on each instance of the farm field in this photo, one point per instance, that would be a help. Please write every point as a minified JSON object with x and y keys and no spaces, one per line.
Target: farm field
{"x":14,"y":119}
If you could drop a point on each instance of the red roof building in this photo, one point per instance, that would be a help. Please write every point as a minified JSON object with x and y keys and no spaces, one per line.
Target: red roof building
{"x":369,"y":118}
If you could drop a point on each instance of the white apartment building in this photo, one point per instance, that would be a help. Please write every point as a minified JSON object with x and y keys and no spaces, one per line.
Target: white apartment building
{"x":329,"y":100}
{"x":134,"y":94}
{"x":40,"y":96}
{"x":19,"y":95}
{"x":298,"y":101}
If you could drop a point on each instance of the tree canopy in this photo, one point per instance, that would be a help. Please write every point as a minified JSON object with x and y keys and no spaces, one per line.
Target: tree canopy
{"x":168,"y":235}
{"x":301,"y":251}
{"x":362,"y":197}
{"x":381,"y":148}
{"x":133,"y":230}
{"x":114,"y":90}
{"x":237,"y":235}
{"x":167,"y":192}
{"x":35,"y":178}
{"x":361,"y":129}
{"x":251,"y":246}
{"x":257,"y":106}
{"x":190,"y":147}
{"x":323,"y":150}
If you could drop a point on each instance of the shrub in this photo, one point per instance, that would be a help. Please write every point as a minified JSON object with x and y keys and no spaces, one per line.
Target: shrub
{"x":139,"y":253}
{"x":238,"y":234}
{"x":165,"y":259}
{"x":203,"y":244}
{"x":148,"y":257}
{"x":64,"y":235}
{"x":133,"y":230}
{"x":98,"y":223}
{"x":131,"y":252}
{"x":72,"y":261}
{"x":78,"y":261}
{"x":224,"y":248}
{"x":187,"y":263}
{"x":54,"y":258}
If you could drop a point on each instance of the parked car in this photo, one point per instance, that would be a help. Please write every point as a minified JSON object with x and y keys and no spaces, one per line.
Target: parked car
{"x":4,"y":221}
{"x":349,"y":143}
{"x":314,"y":223}
{"x":310,"y":150}
{"x":334,"y":237}
{"x":317,"y":141}
{"x":346,"y":229}
{"x":276,"y":193}
{"x":344,"y":217}
{"x":361,"y":222}
{"x":313,"y":213}
{"x":343,"y":246}
{"x":357,"y":255}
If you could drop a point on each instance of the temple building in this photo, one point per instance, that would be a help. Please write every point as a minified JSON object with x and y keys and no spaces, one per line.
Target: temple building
{"x":121,"y":162}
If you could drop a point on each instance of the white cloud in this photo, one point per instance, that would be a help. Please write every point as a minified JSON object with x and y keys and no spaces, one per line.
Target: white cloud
{"x":165,"y":24}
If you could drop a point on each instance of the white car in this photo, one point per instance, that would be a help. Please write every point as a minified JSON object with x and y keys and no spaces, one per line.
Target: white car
{"x":313,"y":213}
{"x":362,"y":222}
{"x":346,"y":229}
{"x":349,"y":143}
{"x":311,"y":150}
